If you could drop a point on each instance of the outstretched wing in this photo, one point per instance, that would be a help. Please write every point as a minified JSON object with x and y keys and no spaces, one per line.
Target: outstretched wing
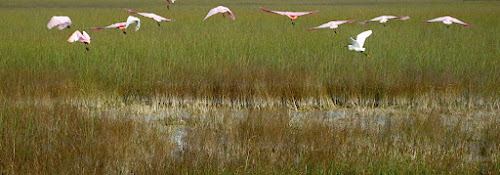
{"x":326,"y":25}
{"x":212,"y":12}
{"x":302,"y":13}
{"x":231,"y":14}
{"x":362,"y":37}
{"x":60,"y":21}
{"x":455,"y":20}
{"x":437,"y":19}
{"x":85,"y":37}
{"x":354,"y":43}
{"x":132,"y":19}
{"x":75,"y":36}
{"x":272,"y":11}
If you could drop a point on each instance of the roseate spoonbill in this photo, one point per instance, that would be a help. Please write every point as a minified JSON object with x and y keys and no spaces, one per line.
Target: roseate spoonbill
{"x":332,"y":25}
{"x":220,"y":9}
{"x":448,"y":20}
{"x":169,"y":1}
{"x":60,"y":21}
{"x":78,"y":36}
{"x":384,"y":18}
{"x":156,"y":17}
{"x":123,"y":25}
{"x":291,"y":15}
{"x":357,"y":45}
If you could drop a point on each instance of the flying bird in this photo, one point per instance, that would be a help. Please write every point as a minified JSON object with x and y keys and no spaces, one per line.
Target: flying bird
{"x":78,"y":36}
{"x":60,"y":21}
{"x":383,"y":19}
{"x":153,"y":16}
{"x":122,"y":25}
{"x":169,"y":1}
{"x":448,"y":20}
{"x":220,"y":9}
{"x":291,"y":15}
{"x":332,"y":25}
{"x":357,"y":45}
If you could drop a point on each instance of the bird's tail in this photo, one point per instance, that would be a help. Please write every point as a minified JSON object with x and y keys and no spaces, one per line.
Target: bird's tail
{"x":96,"y":28}
{"x":467,"y":25}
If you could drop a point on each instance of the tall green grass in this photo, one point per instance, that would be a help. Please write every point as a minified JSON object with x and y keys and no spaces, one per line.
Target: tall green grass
{"x":258,"y":54}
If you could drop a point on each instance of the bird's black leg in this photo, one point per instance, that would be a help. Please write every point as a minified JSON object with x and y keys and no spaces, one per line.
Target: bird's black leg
{"x":223,"y":15}
{"x":124,"y":32}
{"x":384,"y":24}
{"x":335,"y":31}
{"x":448,"y":26}
{"x":158,"y":23}
{"x":365,"y":54}
{"x":168,"y":6}
{"x":86,"y":46}
{"x":293,"y":22}
{"x":68,"y":27}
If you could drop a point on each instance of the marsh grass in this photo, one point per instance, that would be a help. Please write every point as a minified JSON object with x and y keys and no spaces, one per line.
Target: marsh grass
{"x":259,"y":54}
{"x":254,"y":95}
{"x":50,"y":136}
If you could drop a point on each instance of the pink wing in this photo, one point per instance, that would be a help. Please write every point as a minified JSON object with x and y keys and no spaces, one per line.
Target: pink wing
{"x":302,"y":13}
{"x":60,"y":21}
{"x":326,"y":25}
{"x":220,"y":9}
{"x":288,"y":13}
{"x":271,"y":11}
{"x":116,"y":25}
{"x":75,"y":36}
{"x":436,"y":19}
{"x":154,"y":16}
{"x":455,"y":20}
{"x":231,"y":14}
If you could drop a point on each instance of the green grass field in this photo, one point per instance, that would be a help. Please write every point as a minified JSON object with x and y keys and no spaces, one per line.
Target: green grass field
{"x":232,"y":89}
{"x":260,"y":54}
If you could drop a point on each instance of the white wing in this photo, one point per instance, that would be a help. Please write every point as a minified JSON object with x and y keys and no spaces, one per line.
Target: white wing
{"x":86,"y":37}
{"x":326,"y":25}
{"x":354,"y":43}
{"x":212,"y":12}
{"x":132,"y":19}
{"x":75,"y":36}
{"x":455,"y":20}
{"x":362,"y":37}
{"x":438,"y":19}
{"x":60,"y":21}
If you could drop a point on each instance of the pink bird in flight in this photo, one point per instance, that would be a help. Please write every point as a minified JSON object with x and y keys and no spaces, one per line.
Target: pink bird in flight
{"x":82,"y":37}
{"x":384,"y":18}
{"x":122,"y":25}
{"x":332,"y":25}
{"x":291,"y":15}
{"x":448,"y":20}
{"x":153,"y":16}
{"x":220,"y":9}
{"x":60,"y":21}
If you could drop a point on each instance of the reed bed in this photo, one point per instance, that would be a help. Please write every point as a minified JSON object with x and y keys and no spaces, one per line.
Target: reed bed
{"x":255,"y":95}
{"x":44,"y":136}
